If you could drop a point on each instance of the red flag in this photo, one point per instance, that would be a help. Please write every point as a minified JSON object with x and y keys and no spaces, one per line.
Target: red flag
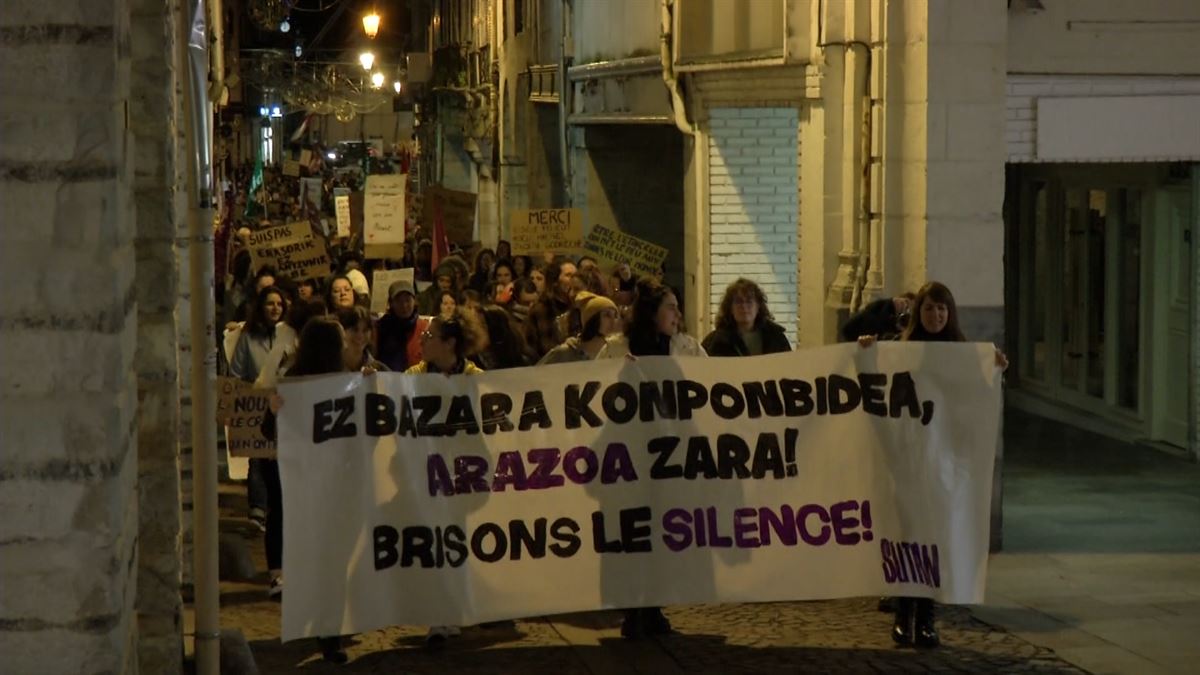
{"x":441,"y":245}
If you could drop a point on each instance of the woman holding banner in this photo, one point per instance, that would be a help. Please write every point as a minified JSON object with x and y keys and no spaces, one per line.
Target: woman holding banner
{"x":653,"y":330}
{"x":320,"y":352}
{"x":935,"y":319}
{"x":745,"y":326}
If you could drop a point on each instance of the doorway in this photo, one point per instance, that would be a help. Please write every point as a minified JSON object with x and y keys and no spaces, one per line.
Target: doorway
{"x":1102,"y":275}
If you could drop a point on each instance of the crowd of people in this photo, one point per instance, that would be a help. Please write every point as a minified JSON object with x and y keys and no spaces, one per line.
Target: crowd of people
{"x":496,"y":310}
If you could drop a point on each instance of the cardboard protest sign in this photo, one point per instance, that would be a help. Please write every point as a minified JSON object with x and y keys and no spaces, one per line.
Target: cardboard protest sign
{"x":291,"y":249}
{"x":341,"y":207}
{"x":306,"y":157}
{"x":291,"y":168}
{"x":643,"y":257}
{"x":536,"y":231}
{"x":822,"y":473}
{"x":383,"y":215}
{"x":458,"y":212}
{"x":240,"y":407}
{"x":381,"y":281}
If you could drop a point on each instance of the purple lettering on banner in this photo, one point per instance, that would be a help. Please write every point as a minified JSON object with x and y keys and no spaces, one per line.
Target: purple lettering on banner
{"x":439,"y":476}
{"x":678,"y":533}
{"x":571,"y":465}
{"x":470,"y":474}
{"x":844,"y":524}
{"x":743,"y":528}
{"x":865,"y":514}
{"x":716,"y":539}
{"x":543,"y":476}
{"x":802,"y":524}
{"x":510,"y":470}
{"x":783,"y":525}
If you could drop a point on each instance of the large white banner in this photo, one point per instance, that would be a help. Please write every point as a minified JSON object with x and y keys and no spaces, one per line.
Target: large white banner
{"x":823,"y":473}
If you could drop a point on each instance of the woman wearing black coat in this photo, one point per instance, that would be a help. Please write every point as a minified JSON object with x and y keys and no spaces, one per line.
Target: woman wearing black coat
{"x":745,"y":326}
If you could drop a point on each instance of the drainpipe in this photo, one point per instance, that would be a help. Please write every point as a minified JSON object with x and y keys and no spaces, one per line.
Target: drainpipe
{"x":564,"y":98}
{"x":666,"y":33}
{"x":204,"y":459}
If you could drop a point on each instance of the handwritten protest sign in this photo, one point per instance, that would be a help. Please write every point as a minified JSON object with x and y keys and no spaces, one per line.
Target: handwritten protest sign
{"x":306,"y":157}
{"x":341,"y":207}
{"x":291,"y":249}
{"x":291,"y":167}
{"x":458,"y":212}
{"x":643,"y":257}
{"x":240,"y":407}
{"x":538,"y":230}
{"x":822,"y":473}
{"x":381,"y":281}
{"x":383,"y":216}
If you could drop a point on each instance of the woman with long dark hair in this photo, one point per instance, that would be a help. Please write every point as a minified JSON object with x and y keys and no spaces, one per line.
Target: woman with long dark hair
{"x":320,"y":352}
{"x":258,"y":335}
{"x":483,"y":270}
{"x":934,"y":319}
{"x":654,"y":327}
{"x":745,"y":326}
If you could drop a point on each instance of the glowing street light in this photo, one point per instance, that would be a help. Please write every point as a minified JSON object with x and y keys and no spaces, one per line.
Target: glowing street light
{"x":367,"y":59}
{"x":377,"y":79}
{"x":371,"y":24}
{"x":396,"y":86}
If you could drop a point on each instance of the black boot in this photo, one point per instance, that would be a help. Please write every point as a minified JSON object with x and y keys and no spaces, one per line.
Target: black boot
{"x":925,"y":632}
{"x":887,"y":605}
{"x":902,"y":627}
{"x":331,"y":650}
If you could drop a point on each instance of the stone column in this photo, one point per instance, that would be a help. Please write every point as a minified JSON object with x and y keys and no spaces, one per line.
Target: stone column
{"x":68,"y":320}
{"x":160,"y":209}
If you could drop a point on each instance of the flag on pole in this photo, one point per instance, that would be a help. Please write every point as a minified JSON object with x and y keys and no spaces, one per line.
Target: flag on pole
{"x":302,"y":129}
{"x":256,"y":184}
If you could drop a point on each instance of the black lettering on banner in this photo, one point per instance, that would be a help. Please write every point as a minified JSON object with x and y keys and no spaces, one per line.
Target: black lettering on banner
{"x":662,"y":468}
{"x":500,"y":542}
{"x":700,"y":460}
{"x":822,"y":396}
{"x":461,"y":416}
{"x":427,"y":408}
{"x":692,"y":396}
{"x":619,"y":402}
{"x":731,"y":409}
{"x":418,"y":543}
{"x":903,"y":396}
{"x":732,"y":456}
{"x":495,"y":408}
{"x":407,"y":424}
{"x":578,"y":405}
{"x":381,"y":415}
{"x":521,"y":537}
{"x":533,"y":411}
{"x":872,"y":385}
{"x":565,"y":533}
{"x":844,"y":396}
{"x":456,"y":547}
{"x":326,"y":426}
{"x":763,"y":397}
{"x":797,"y":397}
{"x":767,"y":457}
{"x":635,"y":530}
{"x":385,"y":538}
{"x":657,"y":399}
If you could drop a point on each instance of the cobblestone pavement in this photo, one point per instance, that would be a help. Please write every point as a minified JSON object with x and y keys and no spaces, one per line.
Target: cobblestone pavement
{"x":840,"y":636}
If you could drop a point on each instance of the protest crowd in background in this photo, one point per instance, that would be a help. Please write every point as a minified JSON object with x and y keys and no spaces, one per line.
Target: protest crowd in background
{"x":470,"y":307}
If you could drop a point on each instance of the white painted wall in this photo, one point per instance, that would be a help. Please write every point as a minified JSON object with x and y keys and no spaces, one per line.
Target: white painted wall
{"x":1106,"y":37}
{"x":753,"y":170}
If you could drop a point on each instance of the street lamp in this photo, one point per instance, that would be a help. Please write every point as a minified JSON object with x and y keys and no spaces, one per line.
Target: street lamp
{"x":377,"y":79}
{"x":367,"y":59}
{"x":396,"y":86}
{"x":371,"y":24}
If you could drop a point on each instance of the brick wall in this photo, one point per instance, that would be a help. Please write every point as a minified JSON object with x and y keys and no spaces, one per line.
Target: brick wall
{"x":68,"y":319}
{"x":1022,"y":92}
{"x":754,"y":204}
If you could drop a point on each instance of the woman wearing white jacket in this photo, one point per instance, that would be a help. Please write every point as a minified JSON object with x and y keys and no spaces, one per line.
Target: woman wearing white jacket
{"x":653,"y":328}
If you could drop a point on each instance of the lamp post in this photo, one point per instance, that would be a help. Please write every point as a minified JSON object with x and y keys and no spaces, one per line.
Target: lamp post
{"x":371,"y":24}
{"x":367,"y":59}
